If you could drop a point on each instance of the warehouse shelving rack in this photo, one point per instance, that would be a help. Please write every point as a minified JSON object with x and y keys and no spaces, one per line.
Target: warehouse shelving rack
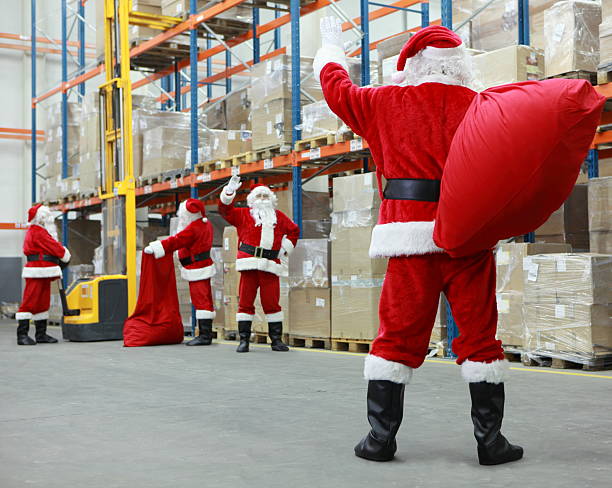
{"x":330,"y":159}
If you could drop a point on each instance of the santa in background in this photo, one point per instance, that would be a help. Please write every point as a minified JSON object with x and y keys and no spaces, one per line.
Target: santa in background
{"x":409,"y":129}
{"x":44,"y":255}
{"x":265,"y":235}
{"x":193,"y":240}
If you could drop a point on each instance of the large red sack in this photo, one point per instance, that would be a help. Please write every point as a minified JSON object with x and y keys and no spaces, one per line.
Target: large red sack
{"x":156,"y":319}
{"x":513,"y":161}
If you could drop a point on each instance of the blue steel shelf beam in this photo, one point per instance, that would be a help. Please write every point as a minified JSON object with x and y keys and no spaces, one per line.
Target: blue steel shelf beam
{"x":523,"y":22}
{"x":64,"y":123}
{"x":256,"y":41}
{"x":296,"y":116}
{"x":277,"y":32}
{"x":81,"y":21}
{"x":446,"y":13}
{"x":33,"y":38}
{"x":193,"y":111}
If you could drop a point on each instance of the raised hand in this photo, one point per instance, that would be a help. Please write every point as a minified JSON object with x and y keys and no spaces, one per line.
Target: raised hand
{"x":233,"y":184}
{"x":331,"y":32}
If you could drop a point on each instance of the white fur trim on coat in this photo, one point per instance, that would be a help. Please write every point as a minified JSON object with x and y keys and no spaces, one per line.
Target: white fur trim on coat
{"x":227,"y":199}
{"x":244,"y":317}
{"x":23,"y":316}
{"x":261,"y":264}
{"x":267,"y":236}
{"x":66,"y":257}
{"x":198,"y":274}
{"x":41,"y":315}
{"x":494,"y":372}
{"x":275,"y":317}
{"x":158,"y":249}
{"x":287,"y":245}
{"x":205,"y":314}
{"x":403,"y":239}
{"x":41,"y":272}
{"x":377,"y":368}
{"x":328,"y":54}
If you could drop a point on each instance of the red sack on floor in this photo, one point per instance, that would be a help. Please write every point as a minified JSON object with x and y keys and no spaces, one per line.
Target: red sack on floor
{"x":156,"y":319}
{"x":513,"y":161}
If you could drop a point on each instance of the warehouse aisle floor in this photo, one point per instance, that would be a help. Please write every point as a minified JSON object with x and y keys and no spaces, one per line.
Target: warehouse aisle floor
{"x":100,"y":415}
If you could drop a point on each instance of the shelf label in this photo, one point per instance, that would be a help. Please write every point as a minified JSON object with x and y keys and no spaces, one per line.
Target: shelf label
{"x":315,"y":153}
{"x":356,"y":144}
{"x":88,"y":202}
{"x":204,"y":177}
{"x":148,"y":189}
{"x":268,"y":164}
{"x":235,"y":170}
{"x":173,"y":184}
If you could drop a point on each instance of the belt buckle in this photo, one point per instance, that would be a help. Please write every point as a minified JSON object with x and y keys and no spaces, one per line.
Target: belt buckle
{"x":259,"y":252}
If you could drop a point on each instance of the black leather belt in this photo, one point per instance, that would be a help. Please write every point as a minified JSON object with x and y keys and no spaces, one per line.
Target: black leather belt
{"x":412,"y":189}
{"x":259,"y":252}
{"x":203,"y":256}
{"x":42,"y":257}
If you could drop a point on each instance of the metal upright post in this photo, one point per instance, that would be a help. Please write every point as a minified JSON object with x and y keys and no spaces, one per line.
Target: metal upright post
{"x":424,"y":14}
{"x":277,"y":31}
{"x":177,"y":87}
{"x":593,"y":163}
{"x":64,"y":122}
{"x":446,"y":13}
{"x":193,"y":62}
{"x":34,"y":140}
{"x":296,"y":116}
{"x":81,"y":21}
{"x":208,"y":68}
{"x":365,"y":42}
{"x":256,"y":43}
{"x":523,"y":22}
{"x":228,"y":65}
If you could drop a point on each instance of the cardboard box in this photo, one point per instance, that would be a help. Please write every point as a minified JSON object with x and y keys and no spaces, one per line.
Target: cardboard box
{"x":231,"y":280}
{"x":509,"y":65}
{"x":439,"y":331}
{"x":215,"y":115}
{"x":230,"y":308}
{"x":355,"y":192}
{"x":355,"y":307}
{"x":349,"y":250}
{"x":510,"y":322}
{"x":309,"y":264}
{"x":272,"y":124}
{"x":509,"y":261}
{"x":238,"y":110}
{"x":600,"y":242}
{"x":571,"y":30}
{"x":575,"y":331}
{"x":230,"y":244}
{"x":605,"y":42}
{"x":319,"y":120}
{"x":224,"y":144}
{"x":568,"y":278}
{"x":310,"y":312}
{"x":600,"y":204}
{"x":316,"y":204}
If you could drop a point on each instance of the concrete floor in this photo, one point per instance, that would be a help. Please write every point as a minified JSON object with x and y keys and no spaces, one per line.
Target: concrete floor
{"x":100,"y":415}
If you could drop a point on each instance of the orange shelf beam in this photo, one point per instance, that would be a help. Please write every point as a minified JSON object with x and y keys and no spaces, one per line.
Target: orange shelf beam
{"x":13,"y":226}
{"x":44,"y":40}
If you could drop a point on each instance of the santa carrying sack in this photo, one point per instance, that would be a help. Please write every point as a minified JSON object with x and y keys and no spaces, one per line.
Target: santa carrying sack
{"x":411,"y":129}
{"x":265,"y":236}
{"x":45,"y":257}
{"x":193,"y":241}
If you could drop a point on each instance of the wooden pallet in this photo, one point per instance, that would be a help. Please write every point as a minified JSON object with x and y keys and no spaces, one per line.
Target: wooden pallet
{"x":259,"y":337}
{"x":71,"y":197}
{"x":346,"y":135}
{"x":351,"y":345}
{"x":271,"y":151}
{"x":309,"y":342}
{"x":604,"y":74}
{"x":578,"y":75}
{"x":596,"y":363}
{"x":208,"y":166}
{"x":314,"y":142}
{"x":149,"y":180}
{"x":54,"y":323}
{"x":174,"y":174}
{"x":221,"y":333}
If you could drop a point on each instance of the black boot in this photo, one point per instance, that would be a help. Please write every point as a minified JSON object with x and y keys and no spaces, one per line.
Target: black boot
{"x":244,"y":331}
{"x":487,"y":415}
{"x":275,"y":332}
{"x":23,"y":326}
{"x":205,"y":337}
{"x":41,"y":333}
{"x":385,"y":412}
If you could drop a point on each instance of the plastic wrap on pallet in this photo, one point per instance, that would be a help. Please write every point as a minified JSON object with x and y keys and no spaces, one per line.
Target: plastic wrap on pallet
{"x":571,"y":30}
{"x":309,"y":264}
{"x":568,"y":305}
{"x":605,"y":44}
{"x":223,"y":144}
{"x":238,"y":110}
{"x":508,"y":65}
{"x":53,"y":142}
{"x":355,"y":306}
{"x":319,"y":120}
{"x":355,"y":192}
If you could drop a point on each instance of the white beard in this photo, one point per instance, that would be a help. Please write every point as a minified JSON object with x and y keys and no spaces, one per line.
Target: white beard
{"x":183,"y":222}
{"x":263,"y":213}
{"x":51,"y":228}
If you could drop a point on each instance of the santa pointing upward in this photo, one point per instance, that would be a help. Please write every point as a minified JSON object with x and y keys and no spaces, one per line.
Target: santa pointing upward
{"x":409,"y":130}
{"x":264,"y":235}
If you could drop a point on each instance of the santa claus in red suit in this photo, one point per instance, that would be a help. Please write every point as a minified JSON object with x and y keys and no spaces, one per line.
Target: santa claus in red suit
{"x":193,"y":240}
{"x":265,"y":235}
{"x":44,"y":255}
{"x":409,"y":128}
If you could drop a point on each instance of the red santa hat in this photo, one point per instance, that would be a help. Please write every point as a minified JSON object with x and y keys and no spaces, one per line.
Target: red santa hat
{"x":33,"y":211}
{"x":433,"y":36}
{"x":194,"y":208}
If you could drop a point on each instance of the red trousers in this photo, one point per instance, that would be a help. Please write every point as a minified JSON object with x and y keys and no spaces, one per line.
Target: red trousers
{"x":36,"y":299}
{"x":409,"y":303}
{"x":269,"y":294}
{"x":201,"y":298}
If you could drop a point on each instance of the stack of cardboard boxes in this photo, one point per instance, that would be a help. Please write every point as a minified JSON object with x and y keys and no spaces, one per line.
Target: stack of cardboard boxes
{"x":231,"y":278}
{"x":605,"y":35}
{"x":568,"y":311}
{"x":510,"y":64}
{"x":356,"y":279}
{"x":216,"y":283}
{"x":600,"y":215}
{"x":89,"y":145}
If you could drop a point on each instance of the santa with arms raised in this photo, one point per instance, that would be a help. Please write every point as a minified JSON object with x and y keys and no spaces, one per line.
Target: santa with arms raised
{"x":45,"y":256}
{"x":265,"y":235}
{"x":409,"y":129}
{"x":193,"y":240}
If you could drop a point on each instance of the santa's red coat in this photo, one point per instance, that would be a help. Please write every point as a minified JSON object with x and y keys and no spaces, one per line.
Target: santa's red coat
{"x":39,"y":242}
{"x":284,"y":235}
{"x":409,"y":130}
{"x":194,"y":239}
